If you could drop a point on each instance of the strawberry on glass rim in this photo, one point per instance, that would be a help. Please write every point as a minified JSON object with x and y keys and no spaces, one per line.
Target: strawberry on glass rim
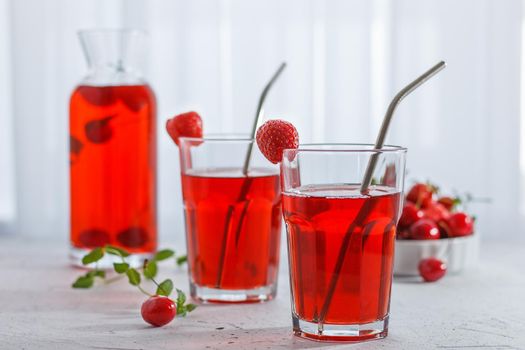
{"x":187,"y":124}
{"x":426,"y":215}
{"x":274,"y":136}
{"x":432,"y":269}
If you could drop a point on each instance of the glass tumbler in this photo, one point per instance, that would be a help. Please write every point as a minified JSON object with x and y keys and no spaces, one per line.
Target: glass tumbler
{"x":233,"y":220}
{"x":340,"y":238}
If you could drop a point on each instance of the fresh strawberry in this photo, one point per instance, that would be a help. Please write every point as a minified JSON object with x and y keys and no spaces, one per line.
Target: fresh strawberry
{"x":424,"y":229}
{"x":460,"y":224}
{"x":420,"y":194}
{"x":274,"y":136}
{"x":436,"y":212}
{"x":187,"y":124}
{"x":449,"y":202}
{"x":410,"y":215}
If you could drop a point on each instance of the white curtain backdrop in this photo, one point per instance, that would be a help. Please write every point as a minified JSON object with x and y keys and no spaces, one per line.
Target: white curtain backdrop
{"x":346,"y":59}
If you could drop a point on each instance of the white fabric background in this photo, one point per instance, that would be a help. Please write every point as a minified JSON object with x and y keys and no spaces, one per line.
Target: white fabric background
{"x":346,"y":59}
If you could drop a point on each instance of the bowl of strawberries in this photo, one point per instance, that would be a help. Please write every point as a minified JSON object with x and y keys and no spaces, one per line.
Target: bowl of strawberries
{"x":434,"y":226}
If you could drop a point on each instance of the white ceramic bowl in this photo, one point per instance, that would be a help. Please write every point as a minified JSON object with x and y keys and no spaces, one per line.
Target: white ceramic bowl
{"x":459,"y":254}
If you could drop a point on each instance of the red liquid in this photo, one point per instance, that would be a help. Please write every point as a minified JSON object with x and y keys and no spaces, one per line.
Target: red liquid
{"x":318,"y":220}
{"x":112,"y":167}
{"x":251,"y":248}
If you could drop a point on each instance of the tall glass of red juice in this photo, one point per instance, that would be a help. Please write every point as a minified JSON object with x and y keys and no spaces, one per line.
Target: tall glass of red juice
{"x":340,"y":239}
{"x":233,"y":220}
{"x":113,"y":149}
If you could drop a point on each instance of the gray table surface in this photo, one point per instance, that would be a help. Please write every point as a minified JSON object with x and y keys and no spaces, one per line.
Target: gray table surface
{"x":482,"y":309}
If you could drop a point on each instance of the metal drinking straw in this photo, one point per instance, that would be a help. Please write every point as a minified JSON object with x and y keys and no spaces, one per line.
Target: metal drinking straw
{"x":363,"y":212}
{"x":388,"y":117}
{"x":247,"y":181}
{"x":258,"y":116}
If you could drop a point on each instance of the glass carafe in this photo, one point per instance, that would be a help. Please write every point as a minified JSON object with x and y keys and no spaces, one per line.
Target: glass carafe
{"x":113,"y":149}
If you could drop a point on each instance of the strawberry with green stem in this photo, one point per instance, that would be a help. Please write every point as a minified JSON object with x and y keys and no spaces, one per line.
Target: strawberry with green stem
{"x":159,"y":309}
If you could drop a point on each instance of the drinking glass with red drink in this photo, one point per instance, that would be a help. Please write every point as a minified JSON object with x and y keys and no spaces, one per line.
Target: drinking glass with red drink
{"x":233,"y":220}
{"x":113,"y":149}
{"x":340,"y":238}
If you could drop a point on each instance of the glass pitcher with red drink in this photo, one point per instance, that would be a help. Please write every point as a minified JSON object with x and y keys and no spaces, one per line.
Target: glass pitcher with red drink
{"x":113,"y":149}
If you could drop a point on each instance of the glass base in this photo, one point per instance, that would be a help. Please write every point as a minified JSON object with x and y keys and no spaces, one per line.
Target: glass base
{"x":339,"y":332}
{"x":135,"y":260}
{"x":215,"y":295}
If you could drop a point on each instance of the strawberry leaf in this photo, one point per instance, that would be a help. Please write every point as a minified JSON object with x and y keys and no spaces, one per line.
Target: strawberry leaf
{"x":120,"y":267}
{"x":163,"y":254}
{"x":133,"y":276}
{"x":165,"y":288}
{"x":93,"y":256}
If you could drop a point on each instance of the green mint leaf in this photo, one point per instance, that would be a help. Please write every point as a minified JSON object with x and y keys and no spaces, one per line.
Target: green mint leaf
{"x":182,"y":259}
{"x":120,"y":267}
{"x":163,"y":254}
{"x":191,"y":307}
{"x":150,"y":270}
{"x":165,"y":288}
{"x":181,"y":297}
{"x":93,"y":256}
{"x":182,"y":309}
{"x":83,"y":282}
{"x":116,"y":251}
{"x":99,"y":273}
{"x":133,"y":276}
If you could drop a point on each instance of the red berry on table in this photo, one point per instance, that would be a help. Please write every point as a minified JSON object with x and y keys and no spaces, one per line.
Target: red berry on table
{"x":424,"y":229}
{"x":460,"y":224}
{"x":184,"y":125}
{"x":158,"y":311}
{"x":410,"y":215}
{"x":420,"y":194}
{"x":432,"y":269}
{"x":436,"y":212}
{"x":274,"y":136}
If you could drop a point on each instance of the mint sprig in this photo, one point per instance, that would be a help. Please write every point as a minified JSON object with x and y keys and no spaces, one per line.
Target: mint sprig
{"x":165,"y":288}
{"x":149,"y":271}
{"x":182,"y":307}
{"x":181,"y":260}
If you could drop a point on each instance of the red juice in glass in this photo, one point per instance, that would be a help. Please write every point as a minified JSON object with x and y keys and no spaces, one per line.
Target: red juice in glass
{"x":321,"y":221}
{"x":233,"y":227}
{"x":113,"y":167}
